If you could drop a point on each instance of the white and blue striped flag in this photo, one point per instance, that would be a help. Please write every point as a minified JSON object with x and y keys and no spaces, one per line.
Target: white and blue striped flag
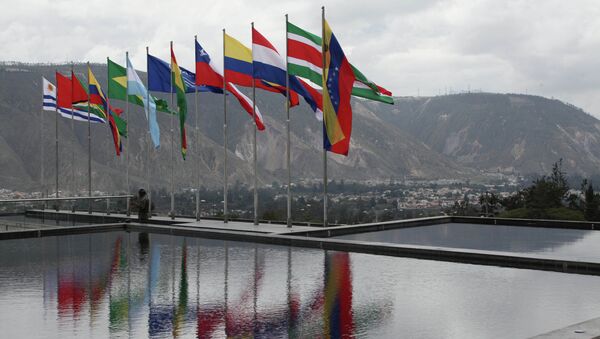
{"x":49,"y":91}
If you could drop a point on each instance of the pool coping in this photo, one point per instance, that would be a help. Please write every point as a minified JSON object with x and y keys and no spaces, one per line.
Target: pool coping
{"x":429,"y":221}
{"x":477,"y":257}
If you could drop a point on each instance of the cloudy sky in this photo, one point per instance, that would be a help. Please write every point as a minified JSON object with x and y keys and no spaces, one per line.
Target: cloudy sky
{"x":426,"y":47}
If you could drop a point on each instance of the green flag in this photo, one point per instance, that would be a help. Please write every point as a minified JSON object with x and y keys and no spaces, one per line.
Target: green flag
{"x":305,"y":60}
{"x":117,"y":88}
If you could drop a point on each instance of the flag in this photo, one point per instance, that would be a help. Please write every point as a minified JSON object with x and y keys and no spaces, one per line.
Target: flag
{"x":305,"y":60}
{"x":159,"y":78}
{"x":207,"y":75}
{"x":180,"y":86}
{"x":117,"y":84}
{"x":238,"y":62}
{"x":79,"y":94}
{"x":238,"y":69}
{"x":269,"y":66}
{"x":65,"y":105}
{"x":49,"y":95}
{"x":136,"y":89}
{"x":98,"y":102}
{"x":367,"y":89}
{"x":338,"y":79}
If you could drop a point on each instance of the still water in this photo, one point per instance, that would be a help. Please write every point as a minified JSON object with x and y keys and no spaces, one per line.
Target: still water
{"x":125,"y":285}
{"x":579,"y":245}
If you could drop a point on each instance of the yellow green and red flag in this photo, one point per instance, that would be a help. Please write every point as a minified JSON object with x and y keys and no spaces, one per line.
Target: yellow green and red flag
{"x":179,"y":86}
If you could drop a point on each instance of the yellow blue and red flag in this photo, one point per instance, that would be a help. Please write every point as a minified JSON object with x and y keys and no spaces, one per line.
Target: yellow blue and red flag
{"x":337,"y":311}
{"x":338,"y":78}
{"x":100,"y":106}
{"x":238,"y":69}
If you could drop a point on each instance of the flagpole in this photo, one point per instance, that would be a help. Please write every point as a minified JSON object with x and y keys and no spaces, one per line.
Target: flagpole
{"x":42,"y":179}
{"x":148,"y":140}
{"x":198,"y":143}
{"x":254,"y":136}
{"x":56,"y":139}
{"x":325,"y":222}
{"x":127,"y":186}
{"x":126,"y":129}
{"x":288,"y":146}
{"x":73,"y":149}
{"x":224,"y":136}
{"x":172,"y":213}
{"x":90,"y":146}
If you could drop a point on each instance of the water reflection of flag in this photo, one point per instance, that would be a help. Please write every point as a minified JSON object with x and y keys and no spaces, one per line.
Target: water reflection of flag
{"x":183,"y":293}
{"x":337,"y":314}
{"x":119,"y":299}
{"x":100,"y":287}
{"x":71,"y":297}
{"x":160,"y":317}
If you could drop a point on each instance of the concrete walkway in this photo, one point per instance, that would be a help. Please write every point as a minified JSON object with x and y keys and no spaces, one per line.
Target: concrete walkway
{"x":240,"y":226}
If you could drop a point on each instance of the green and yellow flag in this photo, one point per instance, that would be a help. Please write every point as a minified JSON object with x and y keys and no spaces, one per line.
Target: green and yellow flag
{"x":117,"y":88}
{"x":179,"y":87}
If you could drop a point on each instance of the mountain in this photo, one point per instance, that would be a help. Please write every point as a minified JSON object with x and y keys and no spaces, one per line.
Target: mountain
{"x":500,"y":132}
{"x":379,"y":150}
{"x":452,"y":136}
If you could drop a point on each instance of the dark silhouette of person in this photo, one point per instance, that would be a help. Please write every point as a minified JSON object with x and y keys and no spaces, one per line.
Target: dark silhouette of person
{"x":144,"y":205}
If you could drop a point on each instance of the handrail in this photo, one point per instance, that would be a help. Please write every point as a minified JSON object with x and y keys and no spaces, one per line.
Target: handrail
{"x":66,"y":198}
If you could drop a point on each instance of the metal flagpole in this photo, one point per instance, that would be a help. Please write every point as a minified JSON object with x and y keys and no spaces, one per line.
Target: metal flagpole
{"x":127,"y":186}
{"x":288,"y":148}
{"x":90,"y":146}
{"x":224,"y":136}
{"x":42,"y":179}
{"x":325,"y":223}
{"x":148,"y":140}
{"x":172,"y":213}
{"x":108,"y":115}
{"x":73,"y":149}
{"x":198,"y":144}
{"x":254,"y":136}
{"x":56,"y":139}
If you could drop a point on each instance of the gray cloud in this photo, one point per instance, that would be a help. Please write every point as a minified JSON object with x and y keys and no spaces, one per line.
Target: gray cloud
{"x":549,"y":48}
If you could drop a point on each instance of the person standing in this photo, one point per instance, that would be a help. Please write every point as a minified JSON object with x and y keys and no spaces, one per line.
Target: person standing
{"x":143,"y":204}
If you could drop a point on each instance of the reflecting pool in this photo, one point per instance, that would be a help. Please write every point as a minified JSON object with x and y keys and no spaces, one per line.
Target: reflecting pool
{"x":560,"y":243}
{"x":137,"y":285}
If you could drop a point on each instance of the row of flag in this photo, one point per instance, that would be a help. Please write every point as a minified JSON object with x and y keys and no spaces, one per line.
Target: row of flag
{"x":317,"y":70}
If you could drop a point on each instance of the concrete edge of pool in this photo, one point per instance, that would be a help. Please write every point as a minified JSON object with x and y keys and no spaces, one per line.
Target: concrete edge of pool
{"x":487,"y":258}
{"x":303,"y":229}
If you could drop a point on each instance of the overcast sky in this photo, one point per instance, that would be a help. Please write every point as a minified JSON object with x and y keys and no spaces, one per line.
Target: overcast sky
{"x":426,"y":47}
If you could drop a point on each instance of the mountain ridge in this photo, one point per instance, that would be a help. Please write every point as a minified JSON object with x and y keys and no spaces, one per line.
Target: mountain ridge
{"x":456,"y":136}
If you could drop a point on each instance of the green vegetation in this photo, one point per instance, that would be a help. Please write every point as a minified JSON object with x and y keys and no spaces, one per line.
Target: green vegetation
{"x":548,"y":197}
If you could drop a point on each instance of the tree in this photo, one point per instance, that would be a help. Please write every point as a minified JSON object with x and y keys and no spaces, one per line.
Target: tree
{"x":489,"y":203}
{"x":548,"y":191}
{"x":592,"y":202}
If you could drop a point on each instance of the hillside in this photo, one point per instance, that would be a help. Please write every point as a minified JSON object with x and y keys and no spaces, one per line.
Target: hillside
{"x":501,"y":132}
{"x":379,"y":150}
